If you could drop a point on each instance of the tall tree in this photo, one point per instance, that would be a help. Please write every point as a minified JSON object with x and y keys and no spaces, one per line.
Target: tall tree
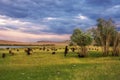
{"x":116,"y":44}
{"x":102,"y":34}
{"x":82,"y":39}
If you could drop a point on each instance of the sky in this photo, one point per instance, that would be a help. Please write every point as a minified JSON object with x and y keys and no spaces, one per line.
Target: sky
{"x":52,"y":20}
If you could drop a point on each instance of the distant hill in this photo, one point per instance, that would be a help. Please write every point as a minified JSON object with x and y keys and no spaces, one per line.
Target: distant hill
{"x":6,"y":42}
{"x":54,"y":42}
{"x":66,"y":41}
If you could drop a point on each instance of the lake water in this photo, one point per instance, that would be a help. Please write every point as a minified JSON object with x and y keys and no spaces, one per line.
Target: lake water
{"x":14,"y":46}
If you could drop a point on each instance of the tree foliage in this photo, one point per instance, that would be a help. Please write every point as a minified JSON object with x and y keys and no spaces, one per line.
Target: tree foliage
{"x":103,"y":34}
{"x":82,"y":39}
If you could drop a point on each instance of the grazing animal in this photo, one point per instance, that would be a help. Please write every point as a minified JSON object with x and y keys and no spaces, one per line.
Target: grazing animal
{"x":25,"y":50}
{"x":73,"y":49}
{"x":53,"y":53}
{"x":80,"y":55}
{"x":55,"y":49}
{"x":3,"y":55}
{"x":97,"y":49}
{"x":44,"y":48}
{"x":7,"y":48}
{"x":10,"y":52}
{"x":59,"y":48}
{"x":47,"y":49}
{"x":17,"y":49}
{"x":66,"y":50}
{"x":28,"y":51}
{"x":40,"y":48}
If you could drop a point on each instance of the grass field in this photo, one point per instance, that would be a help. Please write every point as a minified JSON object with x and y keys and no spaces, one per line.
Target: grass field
{"x":42,"y":65}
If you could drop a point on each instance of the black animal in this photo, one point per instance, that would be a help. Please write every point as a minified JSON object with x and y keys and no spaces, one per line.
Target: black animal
{"x":66,"y":50}
{"x":3,"y":55}
{"x":40,"y":48}
{"x":80,"y":55}
{"x":44,"y":48}
{"x":53,"y":53}
{"x":7,"y":48}
{"x":11,"y":52}
{"x":28,"y":51}
{"x":17,"y":49}
{"x":47,"y":49}
{"x":73,"y":49}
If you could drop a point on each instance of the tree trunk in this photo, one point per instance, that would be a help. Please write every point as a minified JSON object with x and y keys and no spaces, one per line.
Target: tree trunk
{"x":116,"y":47}
{"x":84,"y":51}
{"x":105,"y":50}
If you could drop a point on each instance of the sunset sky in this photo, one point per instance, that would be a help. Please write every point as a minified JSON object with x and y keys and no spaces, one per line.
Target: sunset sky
{"x":53,"y":20}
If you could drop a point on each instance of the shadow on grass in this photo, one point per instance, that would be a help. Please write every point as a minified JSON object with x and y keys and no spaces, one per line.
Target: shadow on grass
{"x":95,"y":54}
{"x":90,"y":54}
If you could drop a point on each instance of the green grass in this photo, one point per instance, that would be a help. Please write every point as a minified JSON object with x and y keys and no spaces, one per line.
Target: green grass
{"x":45,"y":66}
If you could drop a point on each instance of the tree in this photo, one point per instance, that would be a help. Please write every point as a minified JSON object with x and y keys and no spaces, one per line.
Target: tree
{"x":82,"y":39}
{"x":116,"y":44}
{"x":103,"y":34}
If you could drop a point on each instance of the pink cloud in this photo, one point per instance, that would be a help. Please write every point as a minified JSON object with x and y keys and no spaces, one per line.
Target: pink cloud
{"x":21,"y":36}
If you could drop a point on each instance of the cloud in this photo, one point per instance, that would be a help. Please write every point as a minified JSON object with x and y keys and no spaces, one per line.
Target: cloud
{"x":4,"y":20}
{"x":113,"y":10}
{"x":9,"y":23}
{"x":55,"y":16}
{"x":99,"y":3}
{"x":10,"y":28}
{"x":81,"y":17}
{"x":50,"y":18}
{"x":21,"y":36}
